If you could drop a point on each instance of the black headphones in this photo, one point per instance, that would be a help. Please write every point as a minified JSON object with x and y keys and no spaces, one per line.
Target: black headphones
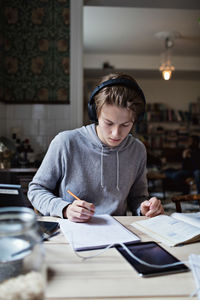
{"x":118,"y":81}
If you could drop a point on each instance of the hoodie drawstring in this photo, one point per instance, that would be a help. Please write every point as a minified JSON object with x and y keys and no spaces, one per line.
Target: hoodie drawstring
{"x":102,"y":167}
{"x":102,"y":184}
{"x":117,"y":186}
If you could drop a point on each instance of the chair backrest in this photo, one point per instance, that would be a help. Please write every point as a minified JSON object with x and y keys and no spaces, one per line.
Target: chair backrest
{"x":184,"y":198}
{"x":12,"y":195}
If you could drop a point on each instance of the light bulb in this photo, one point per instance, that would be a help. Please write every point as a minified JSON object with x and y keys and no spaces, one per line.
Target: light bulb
{"x":166,"y":74}
{"x":166,"y":66}
{"x":166,"y":71}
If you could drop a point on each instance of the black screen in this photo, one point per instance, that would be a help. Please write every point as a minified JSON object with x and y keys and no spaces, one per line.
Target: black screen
{"x":47,"y":227}
{"x":151,"y":253}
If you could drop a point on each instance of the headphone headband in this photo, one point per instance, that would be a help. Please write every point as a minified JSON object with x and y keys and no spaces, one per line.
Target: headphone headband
{"x":118,"y":81}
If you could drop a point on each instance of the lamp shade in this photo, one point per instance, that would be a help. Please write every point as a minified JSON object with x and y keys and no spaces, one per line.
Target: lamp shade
{"x":166,"y":74}
{"x":166,"y":67}
{"x":166,"y":71}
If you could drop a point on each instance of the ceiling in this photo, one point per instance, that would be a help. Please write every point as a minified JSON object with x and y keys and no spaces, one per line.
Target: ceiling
{"x":130,"y":30}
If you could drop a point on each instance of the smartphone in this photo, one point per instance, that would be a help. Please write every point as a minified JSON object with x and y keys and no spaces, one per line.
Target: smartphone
{"x":152,"y":253}
{"x":47,"y":227}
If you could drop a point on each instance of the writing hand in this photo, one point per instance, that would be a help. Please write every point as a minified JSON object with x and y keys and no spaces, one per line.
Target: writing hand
{"x":79,"y":211}
{"x":152,"y":207}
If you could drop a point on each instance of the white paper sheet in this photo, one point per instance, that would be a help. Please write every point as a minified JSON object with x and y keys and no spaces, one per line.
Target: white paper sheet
{"x":99,"y":232}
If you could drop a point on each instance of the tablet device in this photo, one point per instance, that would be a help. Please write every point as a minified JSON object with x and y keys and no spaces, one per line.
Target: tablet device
{"x":152,"y":253}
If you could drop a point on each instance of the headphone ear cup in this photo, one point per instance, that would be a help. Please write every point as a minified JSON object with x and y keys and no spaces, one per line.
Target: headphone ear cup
{"x":92,"y":112}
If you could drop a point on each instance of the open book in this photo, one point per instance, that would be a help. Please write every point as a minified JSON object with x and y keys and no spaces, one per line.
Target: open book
{"x":99,"y":232}
{"x":179,"y":228}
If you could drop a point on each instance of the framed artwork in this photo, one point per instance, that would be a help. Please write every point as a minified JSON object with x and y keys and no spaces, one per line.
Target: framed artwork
{"x":35,"y":39}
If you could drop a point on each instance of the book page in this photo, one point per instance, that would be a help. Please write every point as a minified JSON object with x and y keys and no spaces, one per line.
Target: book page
{"x":99,"y":232}
{"x":167,"y":230}
{"x":191,"y":218}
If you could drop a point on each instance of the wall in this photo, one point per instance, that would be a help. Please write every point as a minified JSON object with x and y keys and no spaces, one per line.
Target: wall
{"x":140,"y":62}
{"x":176,"y":94}
{"x":40,"y":122}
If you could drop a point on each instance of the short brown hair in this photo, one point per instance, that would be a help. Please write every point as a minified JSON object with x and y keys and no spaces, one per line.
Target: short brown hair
{"x":120,"y":95}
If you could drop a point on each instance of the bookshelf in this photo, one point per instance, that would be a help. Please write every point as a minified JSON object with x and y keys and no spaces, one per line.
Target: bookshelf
{"x":168,"y":128}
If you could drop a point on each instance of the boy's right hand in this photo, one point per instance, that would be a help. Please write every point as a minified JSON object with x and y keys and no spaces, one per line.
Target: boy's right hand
{"x":79,"y":211}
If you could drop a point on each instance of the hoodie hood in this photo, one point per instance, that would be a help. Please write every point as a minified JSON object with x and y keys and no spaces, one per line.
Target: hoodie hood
{"x":91,"y":134}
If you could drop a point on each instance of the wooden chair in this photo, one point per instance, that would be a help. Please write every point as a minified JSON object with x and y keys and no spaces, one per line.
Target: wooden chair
{"x":184,"y":198}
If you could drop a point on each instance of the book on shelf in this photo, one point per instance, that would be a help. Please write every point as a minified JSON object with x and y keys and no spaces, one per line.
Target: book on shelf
{"x":178,"y":115}
{"x":194,"y":107}
{"x":159,"y":112}
{"x":173,"y":230}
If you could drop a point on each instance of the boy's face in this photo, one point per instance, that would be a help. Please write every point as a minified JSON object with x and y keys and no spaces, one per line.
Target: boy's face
{"x":114,"y":125}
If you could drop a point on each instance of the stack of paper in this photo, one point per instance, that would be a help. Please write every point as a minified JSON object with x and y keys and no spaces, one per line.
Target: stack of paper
{"x":99,"y":232}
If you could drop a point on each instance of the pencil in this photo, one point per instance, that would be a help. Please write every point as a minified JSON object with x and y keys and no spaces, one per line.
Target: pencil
{"x":73,"y":195}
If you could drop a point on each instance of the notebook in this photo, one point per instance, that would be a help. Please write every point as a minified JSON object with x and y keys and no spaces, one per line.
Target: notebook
{"x":99,"y":232}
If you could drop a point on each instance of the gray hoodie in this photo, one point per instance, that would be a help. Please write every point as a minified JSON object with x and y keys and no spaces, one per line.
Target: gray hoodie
{"x":111,"y":178}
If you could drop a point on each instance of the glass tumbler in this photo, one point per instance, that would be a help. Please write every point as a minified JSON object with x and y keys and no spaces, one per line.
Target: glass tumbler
{"x":22,"y":264}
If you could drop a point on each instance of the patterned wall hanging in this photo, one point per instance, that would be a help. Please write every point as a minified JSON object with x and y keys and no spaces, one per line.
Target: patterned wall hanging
{"x":34,"y":37}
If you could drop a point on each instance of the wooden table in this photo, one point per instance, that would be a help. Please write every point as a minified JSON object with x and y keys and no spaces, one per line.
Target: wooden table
{"x":109,"y":276}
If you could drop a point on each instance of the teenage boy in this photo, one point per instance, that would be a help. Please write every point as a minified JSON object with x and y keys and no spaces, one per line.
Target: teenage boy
{"x":102,"y":163}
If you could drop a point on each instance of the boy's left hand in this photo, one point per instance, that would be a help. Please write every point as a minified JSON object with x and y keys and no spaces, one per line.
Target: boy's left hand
{"x":152,"y":207}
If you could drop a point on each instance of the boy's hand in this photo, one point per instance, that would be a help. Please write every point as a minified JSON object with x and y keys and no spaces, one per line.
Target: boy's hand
{"x":79,"y":211}
{"x":152,"y":207}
